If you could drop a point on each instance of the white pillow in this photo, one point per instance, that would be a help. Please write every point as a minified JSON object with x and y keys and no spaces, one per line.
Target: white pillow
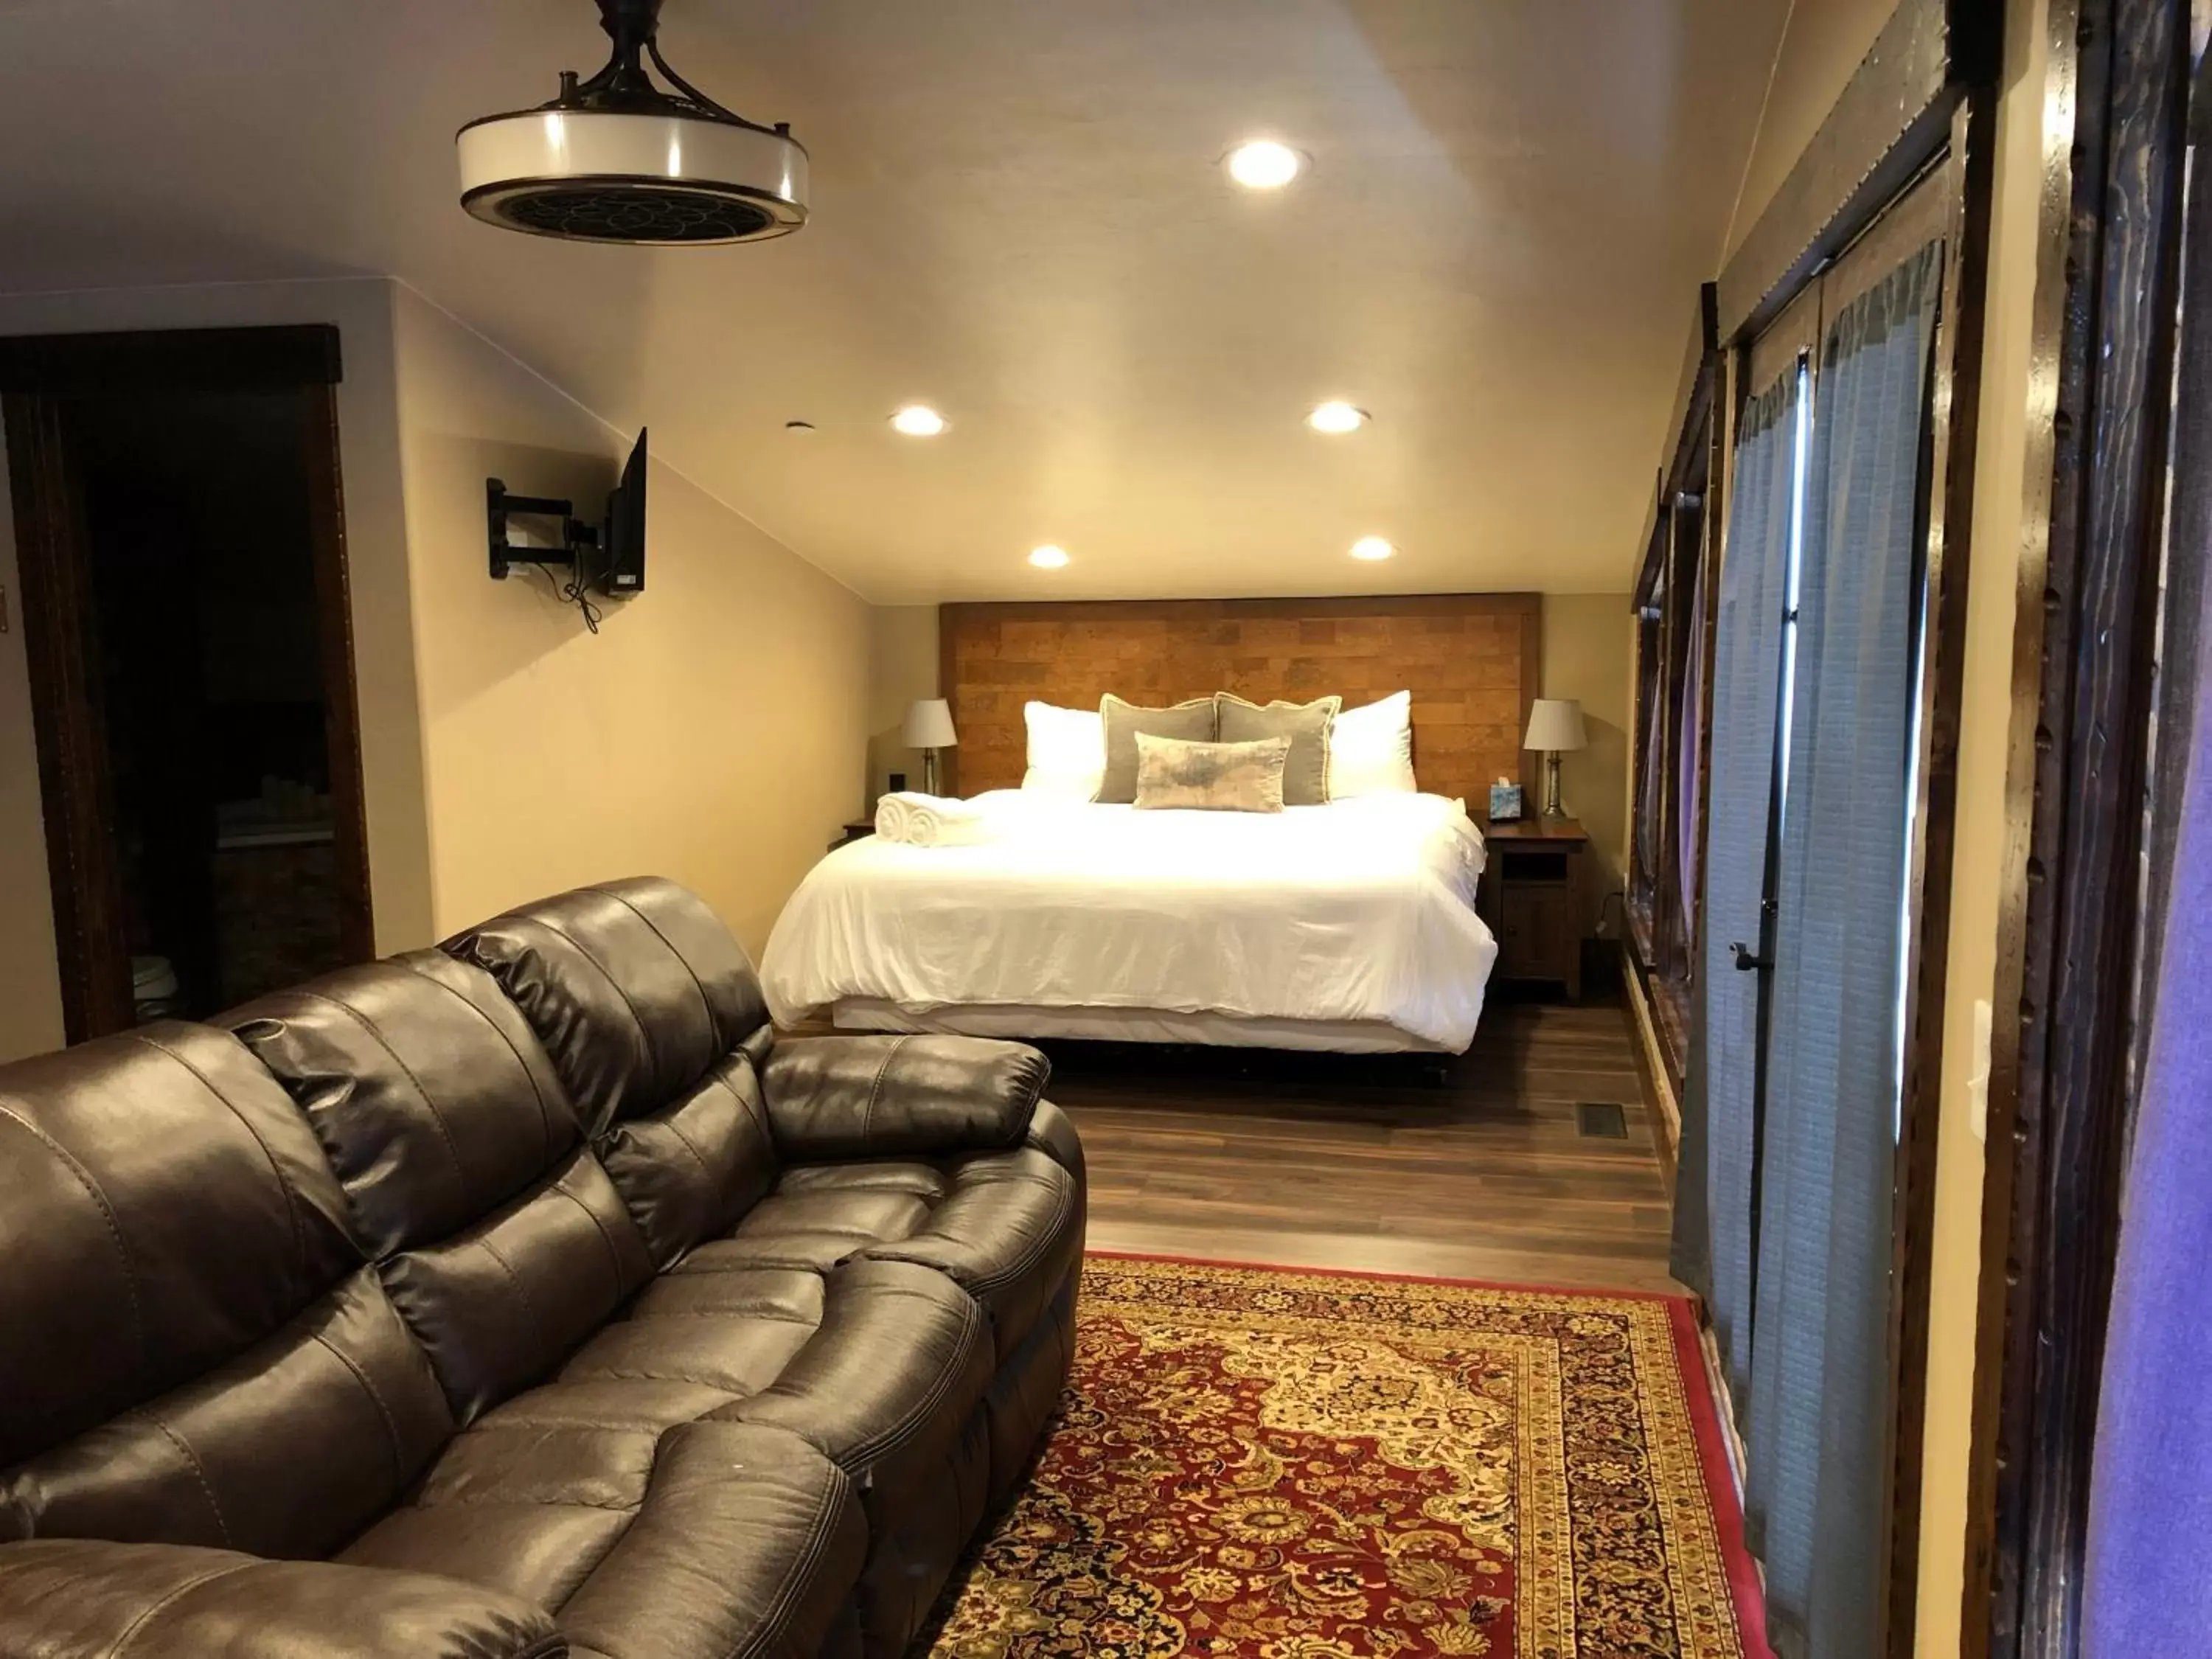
{"x":1370,"y":750}
{"x":1067,"y":751}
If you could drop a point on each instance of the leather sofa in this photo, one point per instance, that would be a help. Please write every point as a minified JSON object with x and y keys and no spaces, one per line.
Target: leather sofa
{"x":522,"y":1296}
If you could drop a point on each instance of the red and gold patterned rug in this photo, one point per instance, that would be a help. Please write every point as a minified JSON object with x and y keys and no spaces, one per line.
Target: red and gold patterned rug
{"x":1262,"y":1464}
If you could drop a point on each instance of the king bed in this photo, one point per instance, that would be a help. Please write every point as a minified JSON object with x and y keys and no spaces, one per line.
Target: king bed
{"x":1350,"y":927}
{"x":1339,"y":916}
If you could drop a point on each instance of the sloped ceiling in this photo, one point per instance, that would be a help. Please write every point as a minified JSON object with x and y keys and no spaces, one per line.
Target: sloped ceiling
{"x":1019,"y":218}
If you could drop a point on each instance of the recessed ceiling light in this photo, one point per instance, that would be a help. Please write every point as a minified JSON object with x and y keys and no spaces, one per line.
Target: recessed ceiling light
{"x":1047,"y":557}
{"x":1263,"y":164}
{"x":919,"y":420}
{"x":798,"y":426}
{"x":1335,"y":415}
{"x":1371,"y":548}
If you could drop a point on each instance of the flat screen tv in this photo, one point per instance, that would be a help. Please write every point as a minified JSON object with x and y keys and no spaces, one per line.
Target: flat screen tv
{"x":622,"y":537}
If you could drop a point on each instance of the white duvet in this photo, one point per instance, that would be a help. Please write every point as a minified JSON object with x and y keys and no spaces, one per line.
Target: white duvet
{"x":1363,"y":910}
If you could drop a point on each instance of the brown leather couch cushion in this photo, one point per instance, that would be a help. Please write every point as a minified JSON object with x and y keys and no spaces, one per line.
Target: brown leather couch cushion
{"x":706,"y":1540}
{"x":886,"y":1096}
{"x":654,"y":1015}
{"x":94,"y":1600}
{"x":425,"y":1086}
{"x":162,"y":1208}
{"x":634,"y":987}
{"x":500,"y":1238}
{"x":498,"y":1305}
{"x":1009,"y":1232}
{"x":288,"y":1449}
{"x":691,"y":1172}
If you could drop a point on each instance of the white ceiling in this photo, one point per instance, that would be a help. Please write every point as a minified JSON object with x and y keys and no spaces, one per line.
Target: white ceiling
{"x":1019,"y":218}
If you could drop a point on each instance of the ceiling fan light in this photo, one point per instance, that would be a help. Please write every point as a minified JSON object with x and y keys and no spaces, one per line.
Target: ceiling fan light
{"x":615,"y":159}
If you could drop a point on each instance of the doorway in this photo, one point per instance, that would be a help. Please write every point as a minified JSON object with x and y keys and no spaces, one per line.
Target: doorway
{"x":180,"y":535}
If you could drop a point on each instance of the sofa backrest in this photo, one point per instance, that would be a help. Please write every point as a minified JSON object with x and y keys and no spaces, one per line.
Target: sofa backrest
{"x":496,"y":1229}
{"x":634,"y":987}
{"x":195,"y":1352}
{"x":654,"y":1019}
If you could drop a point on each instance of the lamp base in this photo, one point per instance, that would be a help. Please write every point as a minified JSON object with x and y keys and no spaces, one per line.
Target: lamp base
{"x":929,"y":771}
{"x":1552,"y":808}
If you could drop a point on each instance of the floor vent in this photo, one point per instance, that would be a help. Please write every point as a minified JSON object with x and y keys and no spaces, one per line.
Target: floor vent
{"x":1604,"y":1119}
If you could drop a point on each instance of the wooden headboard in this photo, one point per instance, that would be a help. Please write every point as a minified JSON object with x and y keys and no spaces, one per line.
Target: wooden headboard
{"x":1470,"y":659}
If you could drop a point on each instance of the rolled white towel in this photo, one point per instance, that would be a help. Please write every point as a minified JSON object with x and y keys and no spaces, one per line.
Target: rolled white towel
{"x":892,"y":816}
{"x":922,"y":820}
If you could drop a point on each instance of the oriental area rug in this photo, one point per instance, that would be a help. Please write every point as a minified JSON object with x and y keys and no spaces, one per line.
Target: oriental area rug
{"x":1256,"y":1463}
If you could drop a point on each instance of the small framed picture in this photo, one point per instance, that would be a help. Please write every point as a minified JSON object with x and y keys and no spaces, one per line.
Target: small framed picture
{"x":1504,"y":802}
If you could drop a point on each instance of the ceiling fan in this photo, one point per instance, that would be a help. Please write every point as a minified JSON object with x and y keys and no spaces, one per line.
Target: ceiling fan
{"x":617,"y":159}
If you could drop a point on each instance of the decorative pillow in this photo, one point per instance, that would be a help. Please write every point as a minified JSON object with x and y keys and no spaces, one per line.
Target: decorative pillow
{"x":1192,"y":721}
{"x":1371,"y":749}
{"x":1305,"y":778}
{"x":1067,"y":751}
{"x":1217,"y":777}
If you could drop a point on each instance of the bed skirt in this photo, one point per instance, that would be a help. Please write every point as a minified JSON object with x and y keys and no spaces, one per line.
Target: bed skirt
{"x":1021,"y":1020}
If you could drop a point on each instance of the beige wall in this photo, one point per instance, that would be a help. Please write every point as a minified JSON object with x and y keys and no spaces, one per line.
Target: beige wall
{"x":902,"y":665}
{"x":1821,"y":46}
{"x":712,"y":731}
{"x":30,"y":999}
{"x":1589,"y":655}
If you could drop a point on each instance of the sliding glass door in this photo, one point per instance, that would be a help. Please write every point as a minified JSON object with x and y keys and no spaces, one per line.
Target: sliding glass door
{"x":1800,"y":1047}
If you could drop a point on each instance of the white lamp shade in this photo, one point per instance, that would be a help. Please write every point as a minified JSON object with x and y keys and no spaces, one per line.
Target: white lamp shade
{"x":1555,"y":724}
{"x":929,"y":724}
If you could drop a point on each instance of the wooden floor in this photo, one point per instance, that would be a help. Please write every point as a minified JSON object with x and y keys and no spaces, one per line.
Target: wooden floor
{"x":1337,"y":1162}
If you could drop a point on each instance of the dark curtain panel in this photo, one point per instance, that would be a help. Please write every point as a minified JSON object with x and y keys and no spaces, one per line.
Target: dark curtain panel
{"x":2147,"y":1588}
{"x":1650,"y":786}
{"x":1713,"y":1195}
{"x":1815,"y":1425}
{"x":1689,"y":785}
{"x":2188,"y":548}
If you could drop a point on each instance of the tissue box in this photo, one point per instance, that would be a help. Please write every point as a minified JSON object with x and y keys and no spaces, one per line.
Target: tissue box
{"x":1504,"y":802}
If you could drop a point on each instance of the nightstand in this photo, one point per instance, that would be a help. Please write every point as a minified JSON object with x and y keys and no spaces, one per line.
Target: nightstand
{"x":858,"y":830}
{"x":1531,"y":897}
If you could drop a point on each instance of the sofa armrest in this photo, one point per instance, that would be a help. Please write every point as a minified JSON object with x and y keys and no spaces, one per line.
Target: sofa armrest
{"x":890,"y":1097}
{"x":72,"y":1599}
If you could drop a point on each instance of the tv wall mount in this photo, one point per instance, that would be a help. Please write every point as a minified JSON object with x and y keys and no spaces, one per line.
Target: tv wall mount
{"x":500,"y":505}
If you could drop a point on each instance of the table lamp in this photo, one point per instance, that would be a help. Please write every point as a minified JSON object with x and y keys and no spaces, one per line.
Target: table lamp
{"x":1555,"y":724}
{"x":929,"y":728}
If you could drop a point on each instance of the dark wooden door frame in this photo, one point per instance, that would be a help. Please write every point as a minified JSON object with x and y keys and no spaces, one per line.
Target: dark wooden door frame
{"x":39,"y":375}
{"x":2070,"y":925}
{"x":92,"y":954}
{"x":341,"y":692}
